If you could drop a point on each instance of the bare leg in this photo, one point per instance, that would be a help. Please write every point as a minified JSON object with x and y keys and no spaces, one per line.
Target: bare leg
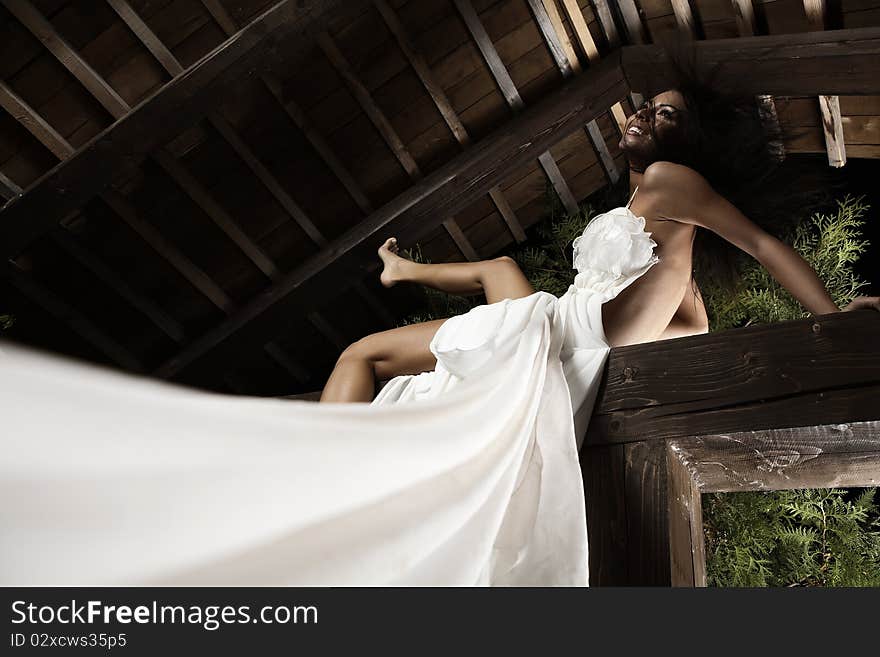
{"x":499,"y":278}
{"x":405,"y":350}
{"x":381,"y":356}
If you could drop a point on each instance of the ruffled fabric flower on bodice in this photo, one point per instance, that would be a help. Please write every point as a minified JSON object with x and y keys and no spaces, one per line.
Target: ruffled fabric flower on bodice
{"x":613,"y":249}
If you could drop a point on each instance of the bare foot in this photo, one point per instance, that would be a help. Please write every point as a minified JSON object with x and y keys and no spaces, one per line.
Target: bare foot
{"x":391,"y":274}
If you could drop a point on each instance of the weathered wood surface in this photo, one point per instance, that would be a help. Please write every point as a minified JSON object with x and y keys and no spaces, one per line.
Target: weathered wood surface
{"x":603,"y":469}
{"x":124,"y":145}
{"x":417,"y":211}
{"x":804,"y":372}
{"x":828,"y":456}
{"x":687,"y":547}
{"x":830,"y":62}
{"x":647,"y":524}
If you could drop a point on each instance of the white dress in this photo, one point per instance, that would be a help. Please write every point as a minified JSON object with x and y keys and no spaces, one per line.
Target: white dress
{"x":467,"y":475}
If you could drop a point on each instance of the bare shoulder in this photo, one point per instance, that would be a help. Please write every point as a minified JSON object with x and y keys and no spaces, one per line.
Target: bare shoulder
{"x":676,"y":191}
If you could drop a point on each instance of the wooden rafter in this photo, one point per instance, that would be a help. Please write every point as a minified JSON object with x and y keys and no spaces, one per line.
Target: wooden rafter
{"x":62,"y":149}
{"x":746,"y":25}
{"x":612,"y":35}
{"x":553,"y":31}
{"x":203,"y":198}
{"x":809,"y":63}
{"x":829,"y":106}
{"x":511,"y":95}
{"x":227,"y":23}
{"x":8,"y":189}
{"x":386,"y":130}
{"x":632,"y":21}
{"x":450,"y":116}
{"x":416,"y":212}
{"x":120,"y":148}
{"x":688,"y":25}
{"x":70,"y":316}
{"x":588,"y":46}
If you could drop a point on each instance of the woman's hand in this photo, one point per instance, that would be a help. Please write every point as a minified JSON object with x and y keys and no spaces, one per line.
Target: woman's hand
{"x":860,"y":303}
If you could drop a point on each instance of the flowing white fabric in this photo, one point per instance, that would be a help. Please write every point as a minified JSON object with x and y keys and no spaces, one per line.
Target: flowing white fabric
{"x":467,"y":475}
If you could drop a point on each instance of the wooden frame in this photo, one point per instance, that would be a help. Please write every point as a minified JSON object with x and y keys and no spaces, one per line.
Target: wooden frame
{"x":823,"y":371}
{"x":826,"y":456}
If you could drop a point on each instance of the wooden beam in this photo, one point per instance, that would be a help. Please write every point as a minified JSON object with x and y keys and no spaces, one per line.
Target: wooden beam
{"x":840,"y":455}
{"x":745,"y":17}
{"x":554,"y":40}
{"x":71,"y":317}
{"x":415,"y":213}
{"x":8,"y":189}
{"x":609,"y":29}
{"x":688,"y":26}
{"x":450,"y":116}
{"x":42,"y":29}
{"x":811,"y":371}
{"x":687,"y":546}
{"x":31,"y":121}
{"x":635,"y":31}
{"x":829,"y":106}
{"x":511,"y":95}
{"x":226,"y":22}
{"x":121,"y":147}
{"x":839,"y":62}
{"x":147,"y":37}
{"x":387,"y":131}
{"x":588,"y":46}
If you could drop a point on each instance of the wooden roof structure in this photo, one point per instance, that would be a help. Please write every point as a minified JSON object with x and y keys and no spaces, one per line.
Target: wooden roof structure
{"x":196,"y":188}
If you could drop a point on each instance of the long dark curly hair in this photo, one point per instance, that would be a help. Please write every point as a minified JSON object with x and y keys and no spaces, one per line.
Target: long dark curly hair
{"x":732,"y":140}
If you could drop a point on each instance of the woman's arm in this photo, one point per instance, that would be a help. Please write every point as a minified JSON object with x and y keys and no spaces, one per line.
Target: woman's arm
{"x":701,"y":205}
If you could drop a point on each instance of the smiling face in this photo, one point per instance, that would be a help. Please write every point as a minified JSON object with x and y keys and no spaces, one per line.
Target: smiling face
{"x":658,"y":126}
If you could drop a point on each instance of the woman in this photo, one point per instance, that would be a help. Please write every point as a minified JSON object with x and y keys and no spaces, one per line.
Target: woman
{"x":464,"y":469}
{"x":675,"y":200}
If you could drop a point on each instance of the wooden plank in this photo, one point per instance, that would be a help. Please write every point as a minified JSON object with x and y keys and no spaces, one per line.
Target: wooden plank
{"x":34,"y":21}
{"x":511,"y":95}
{"x":609,"y":29}
{"x":840,"y":455}
{"x":557,"y":26}
{"x":762,"y":376}
{"x":299,"y":118}
{"x":603,"y":469}
{"x":688,"y":26}
{"x":593,"y":131}
{"x":146,"y":36}
{"x":744,"y":11}
{"x":218,"y":13}
{"x":170,"y":326}
{"x":25,"y":115}
{"x":71,"y":317}
{"x":8,"y":189}
{"x":635,"y":31}
{"x":646,"y":514}
{"x":687,"y":546}
{"x":147,"y":232}
{"x":417,"y":211}
{"x":420,"y":66}
{"x":581,"y":30}
{"x":551,"y":37}
{"x":387,"y":131}
{"x":218,"y":215}
{"x":829,"y":106}
{"x":123,"y":146}
{"x":838,"y":62}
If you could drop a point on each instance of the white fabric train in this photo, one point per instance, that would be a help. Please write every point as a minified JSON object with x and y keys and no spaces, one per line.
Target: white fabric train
{"x":467,"y":475}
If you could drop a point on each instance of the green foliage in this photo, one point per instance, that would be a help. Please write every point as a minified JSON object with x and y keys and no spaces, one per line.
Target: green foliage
{"x":830,"y":243}
{"x":823,"y":537}
{"x":6,"y":322}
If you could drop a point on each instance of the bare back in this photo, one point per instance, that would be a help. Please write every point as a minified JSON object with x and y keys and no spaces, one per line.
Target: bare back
{"x":643,"y":311}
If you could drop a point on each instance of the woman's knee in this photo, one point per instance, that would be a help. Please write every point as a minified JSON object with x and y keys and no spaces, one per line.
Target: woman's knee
{"x":362,"y":350}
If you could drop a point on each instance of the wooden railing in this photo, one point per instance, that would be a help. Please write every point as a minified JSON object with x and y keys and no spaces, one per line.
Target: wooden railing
{"x":670,"y":414}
